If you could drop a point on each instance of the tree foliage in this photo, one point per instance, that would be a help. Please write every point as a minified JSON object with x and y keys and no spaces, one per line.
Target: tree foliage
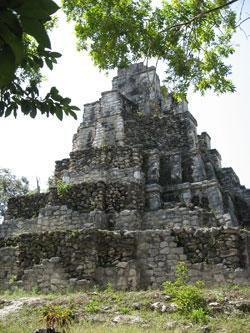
{"x":10,"y":186}
{"x":25,"y":48}
{"x":192,"y":37}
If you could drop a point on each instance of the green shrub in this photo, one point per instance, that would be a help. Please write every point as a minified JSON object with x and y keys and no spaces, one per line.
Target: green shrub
{"x":58,"y":317}
{"x":188,"y":297}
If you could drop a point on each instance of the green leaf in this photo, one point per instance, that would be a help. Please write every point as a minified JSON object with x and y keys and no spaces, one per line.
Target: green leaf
{"x":55,"y":95}
{"x":38,"y":61}
{"x":54,"y":92}
{"x":15,"y":3}
{"x":74,"y":108}
{"x":25,"y":106}
{"x":12,"y":22}
{"x":36,"y":29}
{"x":72,"y":113}
{"x":33,"y":113}
{"x":66,"y":101}
{"x":50,"y":6}
{"x":13,"y":41}
{"x":2,"y":107}
{"x":39,"y":9}
{"x":7,"y":66}
{"x":33,"y":9}
{"x":55,"y":54}
{"x":8,"y":112}
{"x":49,"y":63}
{"x":59,"y":114}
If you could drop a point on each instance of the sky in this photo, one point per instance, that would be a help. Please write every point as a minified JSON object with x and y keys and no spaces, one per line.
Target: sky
{"x":29,"y":147}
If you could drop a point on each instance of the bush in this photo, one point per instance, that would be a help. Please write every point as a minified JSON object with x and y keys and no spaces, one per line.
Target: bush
{"x":57,"y":317}
{"x":189,"y":298}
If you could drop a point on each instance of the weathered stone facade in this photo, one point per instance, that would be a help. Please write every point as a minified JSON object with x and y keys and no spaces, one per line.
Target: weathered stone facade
{"x":142,"y":192}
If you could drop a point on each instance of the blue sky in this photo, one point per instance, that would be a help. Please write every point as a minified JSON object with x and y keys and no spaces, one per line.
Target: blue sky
{"x":30,"y":147}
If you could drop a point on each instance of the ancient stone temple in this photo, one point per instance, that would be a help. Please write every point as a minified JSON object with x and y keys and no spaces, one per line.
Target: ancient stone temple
{"x":140,"y":192}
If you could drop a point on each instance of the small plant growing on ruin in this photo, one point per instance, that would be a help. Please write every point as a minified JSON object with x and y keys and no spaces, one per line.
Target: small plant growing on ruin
{"x":188,"y":297}
{"x":58,"y":317}
{"x":62,"y":187}
{"x":93,"y":306}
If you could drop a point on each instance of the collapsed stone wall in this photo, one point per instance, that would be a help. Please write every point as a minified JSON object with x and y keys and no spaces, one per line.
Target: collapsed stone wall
{"x":27,"y":206}
{"x":215,"y":245}
{"x":129,"y":260}
{"x":78,"y":206}
{"x":84,"y":197}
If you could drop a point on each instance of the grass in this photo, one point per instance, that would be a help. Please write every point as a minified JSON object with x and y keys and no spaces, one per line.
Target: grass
{"x":94,"y":312}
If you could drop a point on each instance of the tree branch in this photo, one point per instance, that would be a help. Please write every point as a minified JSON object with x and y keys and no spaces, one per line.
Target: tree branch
{"x":200,"y":15}
{"x":241,"y":10}
{"x":246,"y":19}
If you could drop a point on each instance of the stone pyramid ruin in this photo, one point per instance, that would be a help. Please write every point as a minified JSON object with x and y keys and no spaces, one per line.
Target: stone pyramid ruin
{"x":140,"y":192}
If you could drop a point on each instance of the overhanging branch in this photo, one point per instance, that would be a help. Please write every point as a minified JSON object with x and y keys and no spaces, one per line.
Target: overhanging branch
{"x":200,"y":15}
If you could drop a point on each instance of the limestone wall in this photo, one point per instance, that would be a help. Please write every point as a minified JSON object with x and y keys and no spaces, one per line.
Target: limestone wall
{"x":165,"y":132}
{"x":83,"y":197}
{"x":27,"y":206}
{"x":129,"y":260}
{"x":108,"y":164}
{"x":214,"y":246}
{"x":80,"y":206}
{"x":179,"y":217}
{"x":141,"y":85}
{"x":102,"y":123}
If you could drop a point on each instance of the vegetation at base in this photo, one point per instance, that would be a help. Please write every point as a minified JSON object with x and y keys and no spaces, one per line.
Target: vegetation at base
{"x":189,"y":297}
{"x":113,"y":302}
{"x":57,"y":317}
{"x":95,"y":310}
{"x":93,"y":306}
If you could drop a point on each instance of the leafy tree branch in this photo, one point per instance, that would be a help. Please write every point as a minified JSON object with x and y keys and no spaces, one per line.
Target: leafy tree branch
{"x":192,"y":38}
{"x":203,"y":14}
{"x":25,"y":49}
